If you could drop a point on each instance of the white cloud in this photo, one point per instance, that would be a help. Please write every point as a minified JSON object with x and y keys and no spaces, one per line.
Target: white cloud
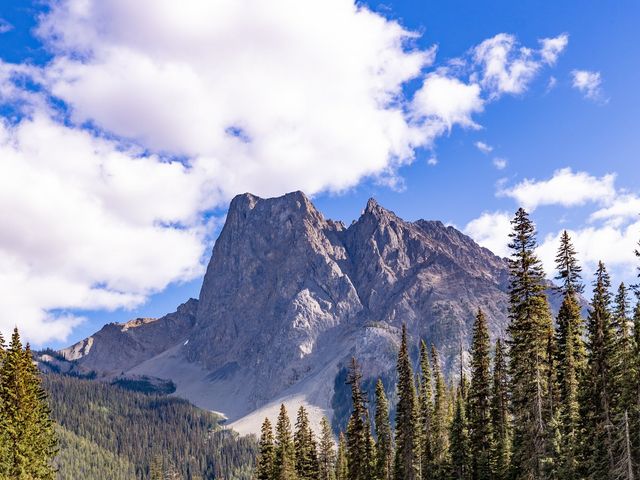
{"x":565,"y":187}
{"x":506,"y":67}
{"x":448,"y":100}
{"x":5,"y":26}
{"x":491,"y":230}
{"x":433,"y":161}
{"x":251,"y":96}
{"x":500,"y":163}
{"x":483,"y":147}
{"x":553,"y":47}
{"x":588,"y":83}
{"x":625,"y":207}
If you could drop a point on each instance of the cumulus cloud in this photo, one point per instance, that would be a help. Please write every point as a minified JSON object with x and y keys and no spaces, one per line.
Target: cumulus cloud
{"x":491,"y":230}
{"x":500,"y":163}
{"x":169,"y":110}
{"x":483,"y":147}
{"x":507,"y":67}
{"x":625,"y":207}
{"x":565,"y":187}
{"x":588,"y":83}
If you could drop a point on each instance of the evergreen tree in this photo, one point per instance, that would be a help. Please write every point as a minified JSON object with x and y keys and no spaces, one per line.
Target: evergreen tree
{"x":635,"y":410}
{"x":480,"y":400}
{"x":384,"y":436}
{"x":440,"y":417}
{"x":285,"y":452}
{"x":501,"y":433}
{"x":342,"y":463}
{"x":28,"y":428}
{"x":568,"y":268}
{"x":459,"y":439}
{"x":530,"y":330}
{"x":623,"y":369}
{"x":306,"y":448}
{"x":266,"y":453}
{"x":597,"y":395}
{"x":326,"y":452}
{"x":426,"y":412}
{"x":358,"y":429}
{"x":407,"y":435}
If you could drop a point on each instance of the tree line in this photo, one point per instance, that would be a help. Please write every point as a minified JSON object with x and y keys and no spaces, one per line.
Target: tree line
{"x":552,"y":400}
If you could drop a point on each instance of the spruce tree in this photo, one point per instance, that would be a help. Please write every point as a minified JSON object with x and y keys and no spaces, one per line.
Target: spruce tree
{"x":501,"y":432}
{"x":384,"y":436}
{"x":635,"y":411}
{"x":358,"y":429}
{"x":623,"y":369}
{"x":597,"y":395}
{"x":266,"y":453}
{"x":407,"y":433}
{"x":440,"y":423}
{"x":326,"y":452}
{"x":459,"y":448}
{"x":285,"y":452}
{"x":342,"y":463}
{"x":569,"y":270}
{"x":306,"y":448}
{"x":425,"y":402}
{"x":27,"y":424}
{"x":530,"y":330}
{"x":480,"y":400}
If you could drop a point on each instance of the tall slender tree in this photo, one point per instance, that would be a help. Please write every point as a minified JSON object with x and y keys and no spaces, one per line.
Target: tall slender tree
{"x":425,"y":401}
{"x":407,"y":432}
{"x":568,"y":267}
{"x":597,"y":398}
{"x":384,"y":436}
{"x":27,"y":424}
{"x":326,"y":452}
{"x":530,"y":329}
{"x":266,"y":453}
{"x":285,"y":452}
{"x":623,"y":369}
{"x":440,"y":424}
{"x":480,"y":400}
{"x":306,"y":448}
{"x":358,"y":429}
{"x":342,"y":463}
{"x":501,"y":431}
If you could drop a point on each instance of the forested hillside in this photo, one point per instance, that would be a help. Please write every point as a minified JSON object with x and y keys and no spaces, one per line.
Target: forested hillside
{"x":109,"y":432}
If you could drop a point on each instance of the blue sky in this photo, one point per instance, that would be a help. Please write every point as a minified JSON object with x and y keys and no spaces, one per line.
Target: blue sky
{"x":117,"y":138}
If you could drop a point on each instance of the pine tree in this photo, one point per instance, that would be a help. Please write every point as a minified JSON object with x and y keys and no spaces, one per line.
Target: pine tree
{"x":384,"y":436}
{"x":266,"y":453}
{"x":285,"y":452}
{"x":635,"y":410}
{"x":569,"y":269}
{"x":459,"y":439}
{"x":597,"y":395}
{"x":342,"y":463}
{"x":480,"y":400}
{"x":501,"y":432}
{"x":326,"y":452}
{"x":28,"y":428}
{"x":623,"y":369}
{"x":440,"y":423}
{"x":425,"y":402}
{"x":4,"y":439}
{"x":530,"y":330}
{"x":407,"y":435}
{"x":306,"y":448}
{"x":358,"y":429}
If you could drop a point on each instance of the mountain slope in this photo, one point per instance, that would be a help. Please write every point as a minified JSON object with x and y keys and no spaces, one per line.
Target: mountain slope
{"x":289,"y":297}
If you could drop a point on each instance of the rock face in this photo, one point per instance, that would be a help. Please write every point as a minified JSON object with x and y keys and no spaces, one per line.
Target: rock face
{"x":289,"y":297}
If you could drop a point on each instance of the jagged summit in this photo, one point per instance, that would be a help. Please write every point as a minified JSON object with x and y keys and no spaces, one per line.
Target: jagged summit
{"x":289,"y":297}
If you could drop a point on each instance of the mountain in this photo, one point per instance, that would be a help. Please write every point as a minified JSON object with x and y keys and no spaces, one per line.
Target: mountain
{"x":289,"y":296}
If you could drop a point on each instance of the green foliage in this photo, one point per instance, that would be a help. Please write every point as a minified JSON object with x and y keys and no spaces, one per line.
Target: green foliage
{"x":306,"y":448}
{"x":460,"y":452}
{"x":500,"y":418}
{"x":384,"y":436}
{"x":326,"y":452}
{"x":359,"y":442}
{"x":342,"y":463}
{"x":285,"y":452}
{"x":425,"y":402}
{"x":266,"y":453}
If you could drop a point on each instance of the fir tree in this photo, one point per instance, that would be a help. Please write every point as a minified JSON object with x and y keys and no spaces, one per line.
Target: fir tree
{"x":326,"y":452}
{"x":27,"y":424}
{"x":426,"y":412}
{"x":440,"y":416}
{"x":407,"y":460}
{"x":479,"y":400}
{"x":530,"y":330}
{"x":358,"y":429}
{"x":384,"y":436}
{"x":342,"y":463}
{"x":266,"y":453}
{"x":568,"y":267}
{"x":597,"y":395}
{"x":623,"y":369}
{"x":459,"y":439}
{"x":306,"y":448}
{"x":501,"y":432}
{"x":285,"y":452}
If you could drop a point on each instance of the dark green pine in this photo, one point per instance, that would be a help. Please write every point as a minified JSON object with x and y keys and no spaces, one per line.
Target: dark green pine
{"x":440,"y":421}
{"x":384,"y":436}
{"x":480,"y":400}
{"x":407,"y":429}
{"x":342,"y":463}
{"x":459,"y":445}
{"x":326,"y":452}
{"x":266,"y":453}
{"x":306,"y":448}
{"x":569,"y":270}
{"x":285,"y":452}
{"x":500,"y":418}
{"x":359,"y":454}
{"x":425,"y":402}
